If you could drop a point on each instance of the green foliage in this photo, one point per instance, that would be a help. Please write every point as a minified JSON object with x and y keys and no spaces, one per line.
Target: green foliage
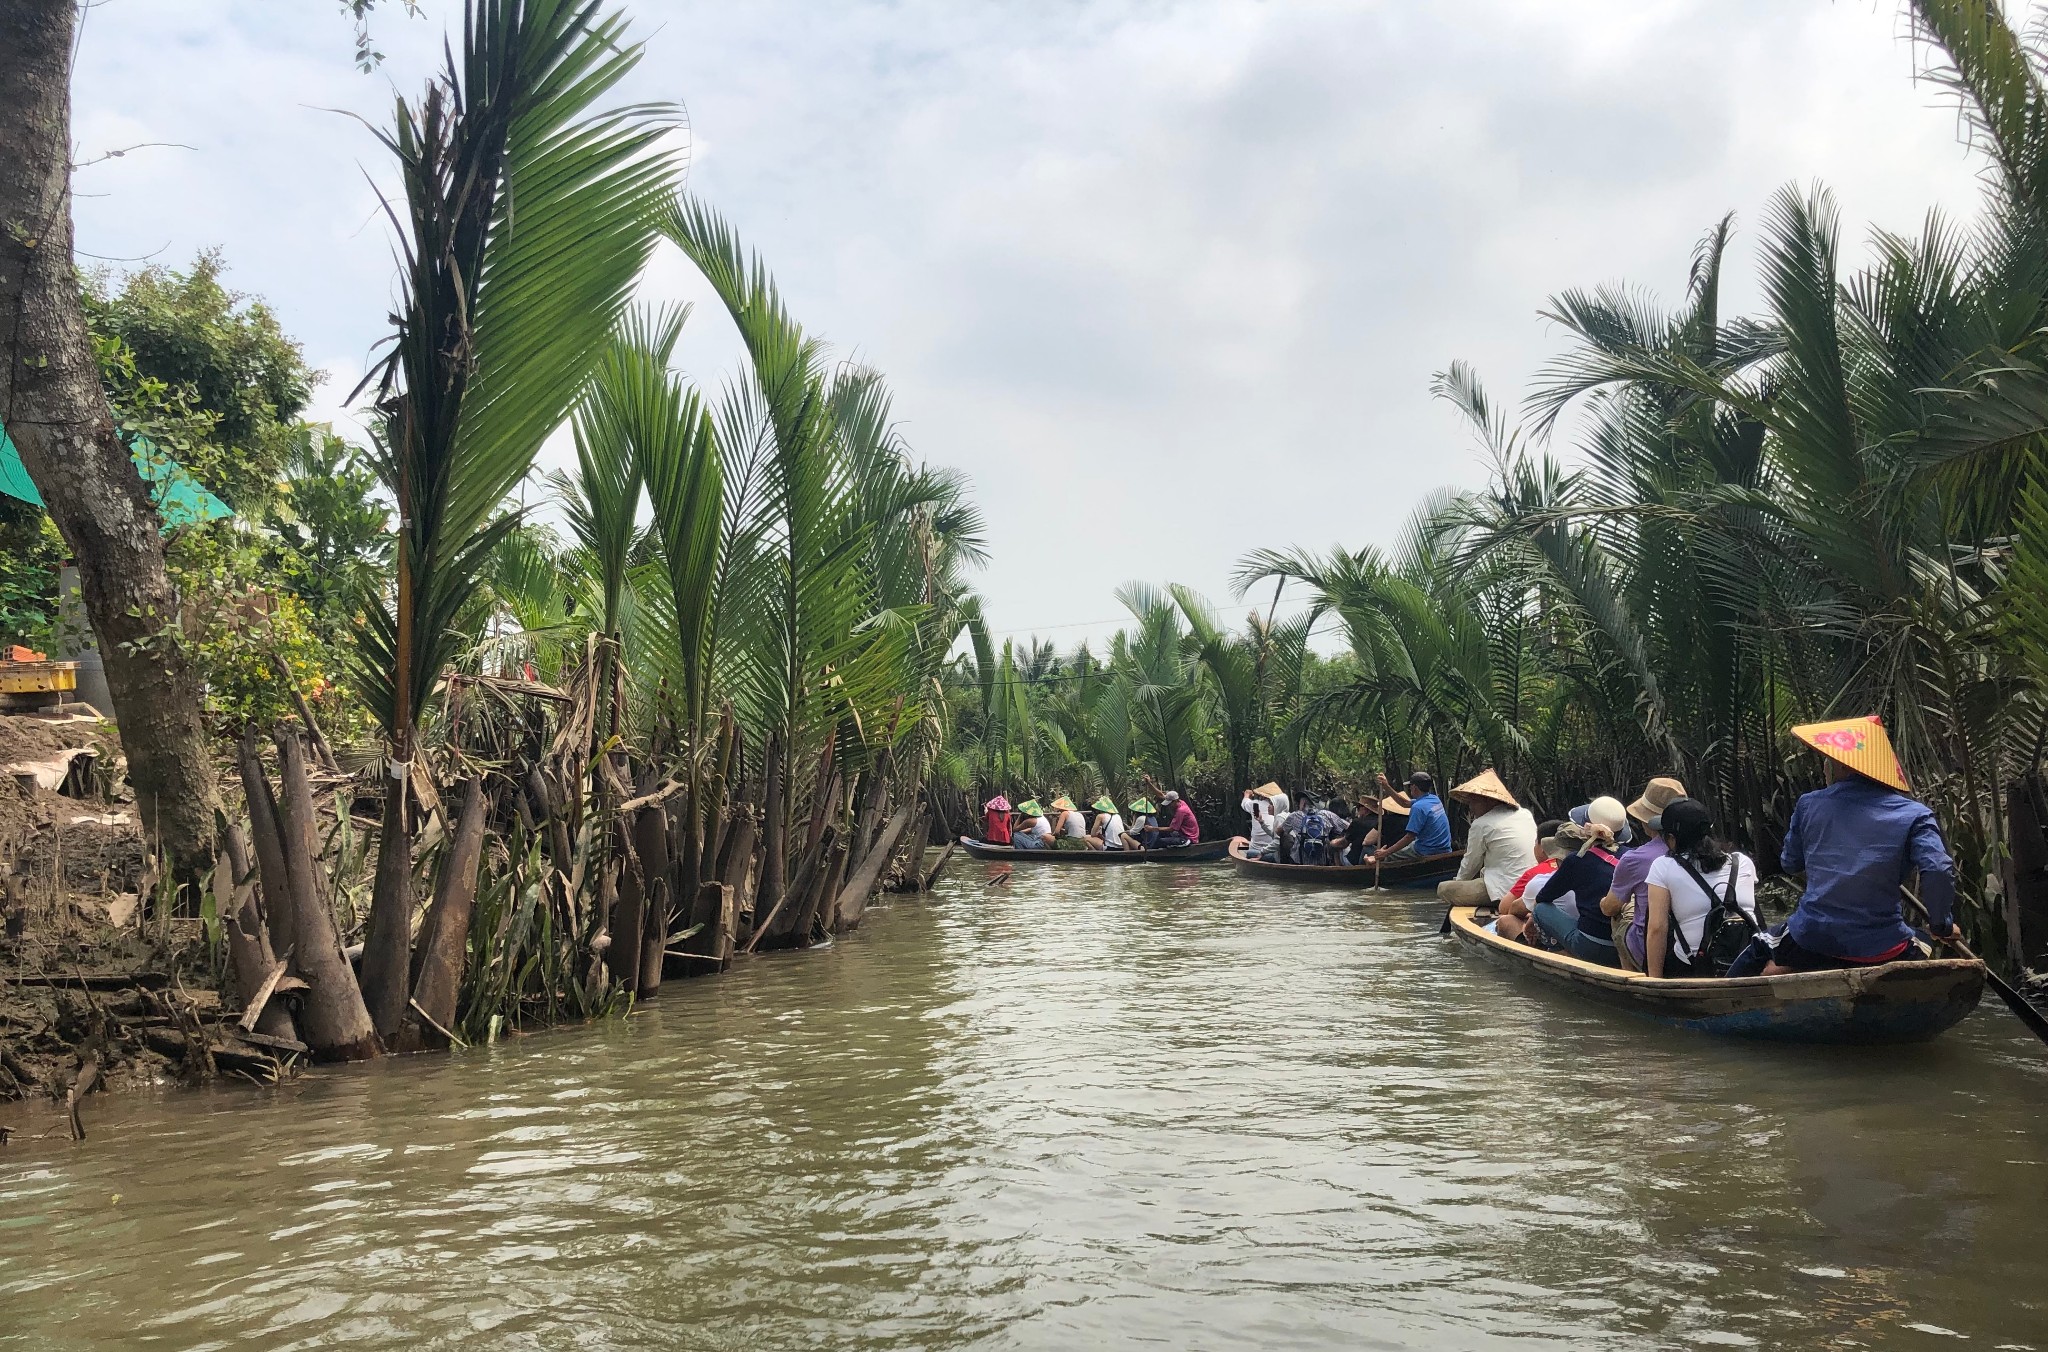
{"x":205,"y":372}
{"x":255,"y":642}
{"x":31,"y":551}
{"x":331,"y":534}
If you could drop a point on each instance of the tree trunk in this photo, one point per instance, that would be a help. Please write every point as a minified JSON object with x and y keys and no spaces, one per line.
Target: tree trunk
{"x":629,"y":919}
{"x":269,"y":838}
{"x":248,"y":939}
{"x":387,"y":944}
{"x":334,"y":1022}
{"x":861,"y":882}
{"x":775,"y":820}
{"x":650,"y":840}
{"x":55,"y":409}
{"x":444,"y":939}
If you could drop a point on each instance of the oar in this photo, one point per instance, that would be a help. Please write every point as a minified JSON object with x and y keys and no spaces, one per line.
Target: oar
{"x":2035,"y":1021}
{"x":1380,"y":834}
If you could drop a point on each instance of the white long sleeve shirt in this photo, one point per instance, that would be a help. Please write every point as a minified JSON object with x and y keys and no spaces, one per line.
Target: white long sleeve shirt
{"x":1500,"y":847}
{"x":1263,"y":835}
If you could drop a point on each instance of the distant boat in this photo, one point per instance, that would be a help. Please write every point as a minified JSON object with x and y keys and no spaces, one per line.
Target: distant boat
{"x":1891,"y":1002}
{"x":1201,"y":852}
{"x":1403,"y":873}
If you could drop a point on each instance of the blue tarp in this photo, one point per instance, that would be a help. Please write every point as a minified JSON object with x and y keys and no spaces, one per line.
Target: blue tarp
{"x":180,"y":499}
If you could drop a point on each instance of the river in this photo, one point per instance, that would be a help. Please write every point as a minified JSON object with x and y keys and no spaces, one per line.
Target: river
{"x":1137,"y":1107}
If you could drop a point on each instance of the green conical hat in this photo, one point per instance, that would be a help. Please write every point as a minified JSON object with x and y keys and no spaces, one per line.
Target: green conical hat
{"x":1104,"y":804}
{"x":1142,"y":805}
{"x":1030,"y":808}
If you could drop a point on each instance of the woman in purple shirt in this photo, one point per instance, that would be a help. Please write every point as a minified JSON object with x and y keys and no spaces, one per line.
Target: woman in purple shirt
{"x":1629,"y":895}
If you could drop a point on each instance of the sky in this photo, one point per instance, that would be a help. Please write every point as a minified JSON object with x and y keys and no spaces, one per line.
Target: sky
{"x":1168,"y":280}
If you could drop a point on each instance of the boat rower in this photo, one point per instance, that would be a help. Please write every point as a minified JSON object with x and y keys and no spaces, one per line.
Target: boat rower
{"x":1858,"y":841}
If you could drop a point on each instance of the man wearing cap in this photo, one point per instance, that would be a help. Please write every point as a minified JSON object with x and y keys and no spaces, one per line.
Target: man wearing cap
{"x":1181,"y":827}
{"x":1500,"y":843}
{"x":1859,"y":841}
{"x":1627,"y":902}
{"x":1425,"y":829}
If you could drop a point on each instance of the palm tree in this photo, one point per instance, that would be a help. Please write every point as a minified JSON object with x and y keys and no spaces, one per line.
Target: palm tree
{"x":528,"y":214}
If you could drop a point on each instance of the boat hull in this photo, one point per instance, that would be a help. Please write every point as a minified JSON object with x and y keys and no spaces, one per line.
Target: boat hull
{"x":1201,"y":852}
{"x":1414,"y":873}
{"x":1895,"y":1002}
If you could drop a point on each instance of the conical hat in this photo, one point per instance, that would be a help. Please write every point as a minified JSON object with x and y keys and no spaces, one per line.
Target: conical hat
{"x":1063,"y":803}
{"x":1486,"y":784}
{"x":1268,"y":790}
{"x":1859,"y":743}
{"x":1142,"y":805}
{"x":998,"y":804}
{"x":1030,"y":808}
{"x":1104,"y":804}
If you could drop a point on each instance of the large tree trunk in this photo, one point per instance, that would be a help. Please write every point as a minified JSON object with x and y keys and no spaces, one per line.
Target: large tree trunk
{"x":269,"y":839}
{"x":444,"y":938}
{"x":334,"y":1023}
{"x":53,"y":406}
{"x":862,"y":881}
{"x":387,"y":943}
{"x":650,"y":841}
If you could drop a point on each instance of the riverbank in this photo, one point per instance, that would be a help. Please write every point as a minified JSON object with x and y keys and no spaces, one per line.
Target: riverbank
{"x":100,"y":990}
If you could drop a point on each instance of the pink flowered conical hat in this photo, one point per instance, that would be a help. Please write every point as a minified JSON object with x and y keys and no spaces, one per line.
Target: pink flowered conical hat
{"x":1859,"y":743}
{"x":998,"y":804}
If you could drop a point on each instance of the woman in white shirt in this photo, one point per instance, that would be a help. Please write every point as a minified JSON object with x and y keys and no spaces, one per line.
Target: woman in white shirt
{"x":1679,"y":906}
{"x":1034,"y":832}
{"x":1108,"y":830}
{"x":1265,"y":831}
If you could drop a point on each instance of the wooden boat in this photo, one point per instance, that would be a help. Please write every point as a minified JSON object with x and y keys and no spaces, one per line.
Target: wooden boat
{"x":1407,"y":873}
{"x":1201,"y":852}
{"x":1890,"y":1003}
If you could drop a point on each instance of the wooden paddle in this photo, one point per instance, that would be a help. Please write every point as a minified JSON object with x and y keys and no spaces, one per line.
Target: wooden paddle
{"x":1380,"y":834}
{"x":2036,"y":1022}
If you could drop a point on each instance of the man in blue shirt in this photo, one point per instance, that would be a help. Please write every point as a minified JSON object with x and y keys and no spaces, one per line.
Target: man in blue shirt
{"x":1859,"y":841}
{"x":1429,"y":827}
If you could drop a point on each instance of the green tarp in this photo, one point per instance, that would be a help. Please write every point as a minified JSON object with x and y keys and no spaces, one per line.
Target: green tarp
{"x":180,"y":499}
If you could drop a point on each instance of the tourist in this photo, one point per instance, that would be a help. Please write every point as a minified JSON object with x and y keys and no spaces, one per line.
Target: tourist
{"x":1037,"y":831}
{"x":1627,"y":903}
{"x":1310,"y":831}
{"x":995,"y":826}
{"x":1142,"y":821}
{"x":1264,"y":832}
{"x":1361,"y":833}
{"x":1858,"y":841}
{"x":1567,"y":906}
{"x":1181,"y":827}
{"x":1515,"y":920}
{"x":1108,"y":830}
{"x":1605,"y":811}
{"x":1696,"y":875}
{"x":1426,"y":828}
{"x":1500,"y":842}
{"x":1069,"y":828}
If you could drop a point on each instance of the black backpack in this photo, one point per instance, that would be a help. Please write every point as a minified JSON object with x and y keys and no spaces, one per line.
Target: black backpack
{"x":1728,"y":929}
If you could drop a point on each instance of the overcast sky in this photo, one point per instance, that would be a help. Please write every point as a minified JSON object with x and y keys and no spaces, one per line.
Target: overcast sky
{"x":1167,"y":280}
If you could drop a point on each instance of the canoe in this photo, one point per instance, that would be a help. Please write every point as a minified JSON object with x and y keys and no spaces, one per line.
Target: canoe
{"x":1201,"y":852}
{"x":1891,"y":1003}
{"x":1409,"y":873}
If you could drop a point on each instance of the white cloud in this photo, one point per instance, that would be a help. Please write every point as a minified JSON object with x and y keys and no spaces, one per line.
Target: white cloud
{"x":1169,"y":280}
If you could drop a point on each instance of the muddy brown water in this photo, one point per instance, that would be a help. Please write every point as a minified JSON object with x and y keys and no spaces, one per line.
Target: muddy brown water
{"x":1145,"y":1107}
